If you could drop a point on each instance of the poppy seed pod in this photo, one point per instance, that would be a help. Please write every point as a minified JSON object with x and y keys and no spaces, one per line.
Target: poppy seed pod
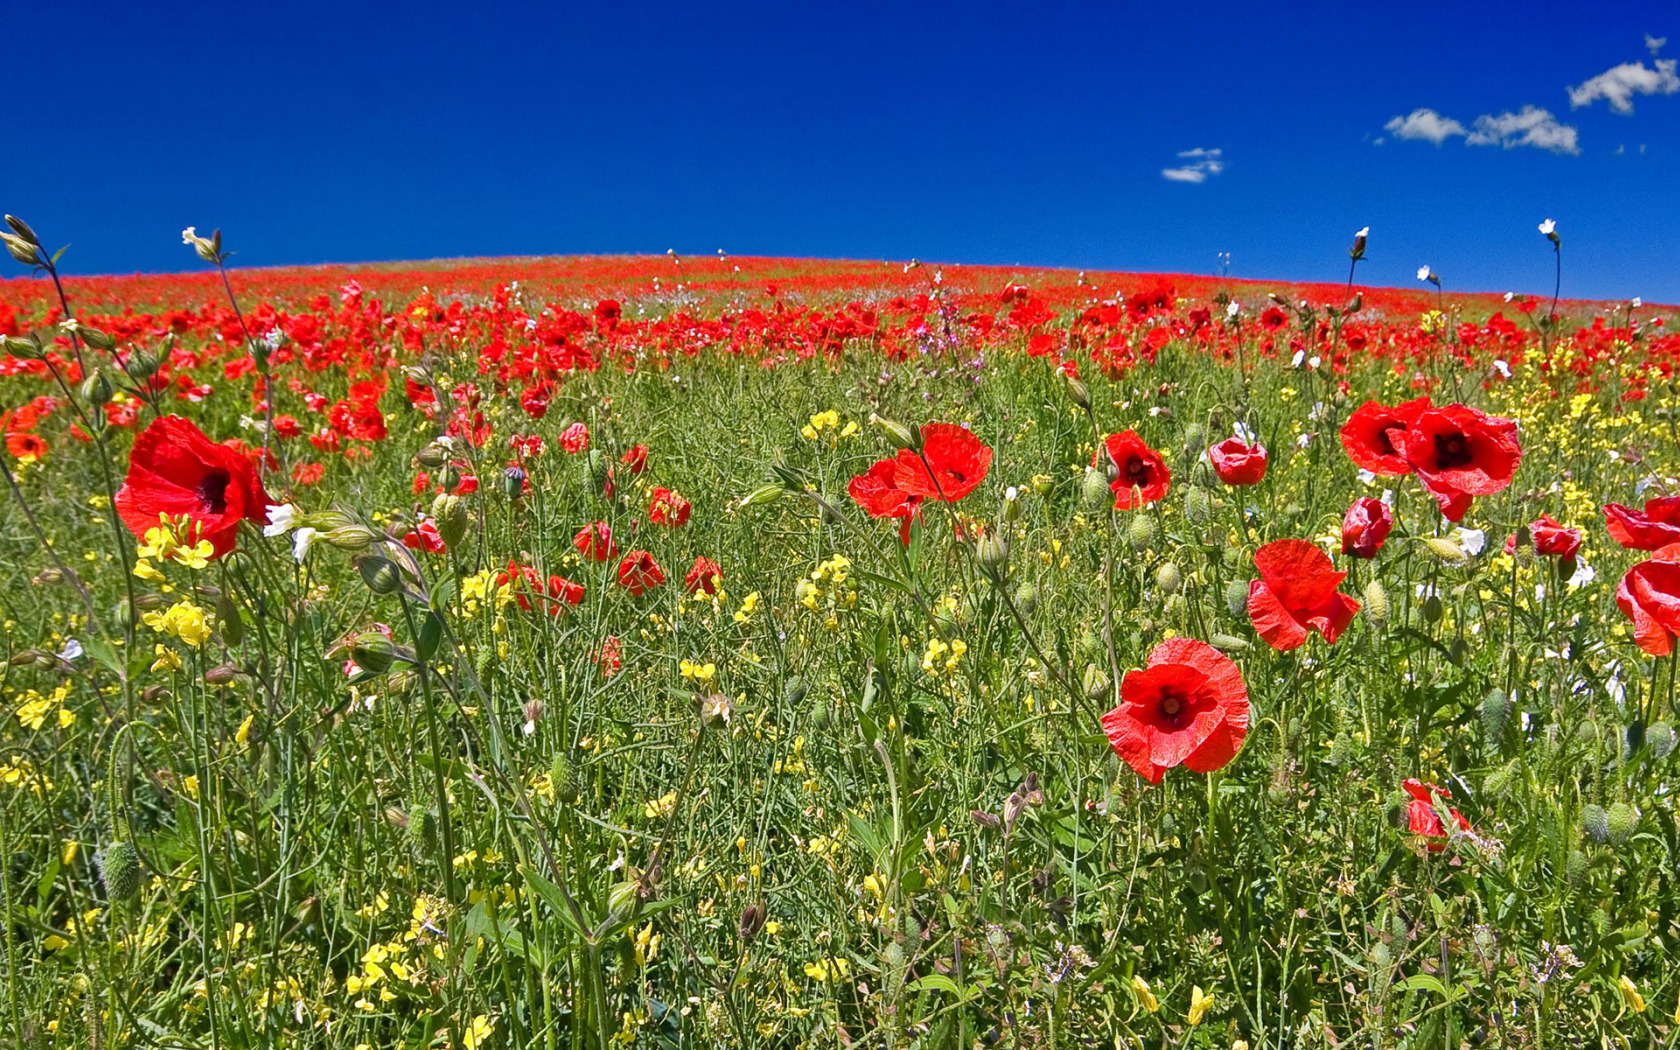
{"x":1376,"y":602}
{"x":1169,"y":578}
{"x":1141,"y":532}
{"x":513,"y":482}
{"x":119,"y":870}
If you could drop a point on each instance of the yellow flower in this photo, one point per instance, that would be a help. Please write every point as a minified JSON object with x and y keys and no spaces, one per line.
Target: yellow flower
{"x":147,"y":571}
{"x":243,"y":734}
{"x":749,"y":605}
{"x":32,"y":713}
{"x":702,"y":673}
{"x":1200,"y":1003}
{"x":167,"y":659}
{"x":646,"y":944}
{"x":184,"y":620}
{"x":1145,"y":997}
{"x":1630,"y":994}
{"x":660,"y":806}
{"x":478,"y":1032}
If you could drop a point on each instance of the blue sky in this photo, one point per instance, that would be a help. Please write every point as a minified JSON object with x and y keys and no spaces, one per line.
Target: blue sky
{"x":983,"y":133}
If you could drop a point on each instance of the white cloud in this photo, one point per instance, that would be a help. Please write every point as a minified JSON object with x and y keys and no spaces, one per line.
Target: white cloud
{"x":1654,"y":44}
{"x":1531,"y":126}
{"x":1203,"y":163}
{"x":1619,"y":84}
{"x":1426,"y":124}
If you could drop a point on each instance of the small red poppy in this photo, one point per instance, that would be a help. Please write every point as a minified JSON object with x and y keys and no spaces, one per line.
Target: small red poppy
{"x":1421,"y":818}
{"x":174,"y":470}
{"x":595,"y":542}
{"x":1369,"y":435}
{"x":26,"y":445}
{"x":575,"y":438}
{"x":638,"y":572}
{"x":526,"y":584}
{"x":1144,"y":477}
{"x":668,"y":508}
{"x":704,"y":576}
{"x":1365,"y":527}
{"x":636,"y":459}
{"x":959,"y":460}
{"x":1653,"y":529}
{"x":1237,"y":462}
{"x":1188,"y":706}
{"x":1549,"y":536}
{"x":1459,"y":452}
{"x":1649,"y":595}
{"x":425,"y":537}
{"x":876,"y":491}
{"x":1296,"y":593}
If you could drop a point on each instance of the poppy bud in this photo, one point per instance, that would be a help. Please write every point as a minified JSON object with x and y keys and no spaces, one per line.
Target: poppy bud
{"x":1227,"y":643}
{"x":21,"y":229}
{"x":119,"y":870}
{"x":423,"y":830}
{"x":794,"y":691}
{"x":1236,"y":598}
{"x":1090,"y":645}
{"x":1341,"y":749}
{"x":562,"y":773}
{"x":1660,"y":739}
{"x":513,"y":482}
{"x":1498,"y":783}
{"x":1198,"y":504}
{"x":25,"y":348}
{"x":1496,"y":712}
{"x":96,"y":338}
{"x":228,"y":622}
{"x":1576,"y":867}
{"x":899,"y":436}
{"x":752,"y":921}
{"x":96,"y":388}
{"x":1142,"y":532}
{"x":760,"y":496}
{"x":1595,"y":822}
{"x":600,"y":471}
{"x":1094,"y":682}
{"x":1446,"y":551}
{"x":453,"y":518}
{"x":1026,"y":598}
{"x":993,"y":554}
{"x":1621,"y":821}
{"x":1094,"y":493}
{"x":1169,"y":578}
{"x":21,"y":250}
{"x":1376,"y":603}
{"x":1432,"y":609}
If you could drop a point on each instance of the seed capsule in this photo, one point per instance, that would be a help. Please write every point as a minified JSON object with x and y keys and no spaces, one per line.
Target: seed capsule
{"x":119,"y":870}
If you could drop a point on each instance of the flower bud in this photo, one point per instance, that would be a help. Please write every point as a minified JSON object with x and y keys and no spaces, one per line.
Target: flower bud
{"x":760,"y":496}
{"x":1168,"y":578}
{"x":1026,"y":598}
{"x":1236,"y":597}
{"x":1621,"y":821}
{"x":432,"y":456}
{"x":373,"y":652}
{"x":96,"y":388}
{"x":26,"y":347}
{"x":993,"y":554}
{"x":1595,"y":822}
{"x":898,"y":435}
{"x":1576,"y":867}
{"x":1094,"y":493}
{"x":1496,"y":713}
{"x":1141,"y":532}
{"x":716,"y":711}
{"x":142,"y":365}
{"x":1013,"y":507}
{"x":21,"y":250}
{"x":1077,"y":392}
{"x":350,"y":537}
{"x":1198,"y":505}
{"x":423,"y":830}
{"x":1376,"y":603}
{"x":795,"y":691}
{"x":1227,"y":643}
{"x":380,"y":574}
{"x":222,"y":674}
{"x":752,"y":921}
{"x":119,"y":870}
{"x":1446,"y":551}
{"x":988,"y":821}
{"x":1660,"y":740}
{"x":600,"y":470}
{"x":22,"y":230}
{"x":1094,"y":682}
{"x":1432,"y":609}
{"x":624,"y":901}
{"x":96,"y":338}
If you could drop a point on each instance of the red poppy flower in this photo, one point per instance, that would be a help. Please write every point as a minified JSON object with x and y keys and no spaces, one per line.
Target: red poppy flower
{"x":636,"y":459}
{"x":1237,"y":462}
{"x":1369,"y":435}
{"x":1296,"y":593}
{"x":596,"y":542}
{"x":958,"y":458}
{"x":425,"y":537}
{"x":877,"y":492}
{"x":28,"y":446}
{"x":638,"y":572}
{"x":175,"y":470}
{"x":705,"y":576}
{"x":525,"y":583}
{"x":1144,"y":477}
{"x":1649,"y":595}
{"x":575,"y":438}
{"x":1655,"y":528}
{"x":1365,"y":527}
{"x":1549,"y":536}
{"x":610,"y":657}
{"x":1188,"y":706}
{"x":1459,"y":452}
{"x":668,"y":508}
{"x":1421,"y":817}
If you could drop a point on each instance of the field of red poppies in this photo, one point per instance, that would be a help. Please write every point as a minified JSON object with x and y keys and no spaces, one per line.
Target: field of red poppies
{"x":677,"y":651}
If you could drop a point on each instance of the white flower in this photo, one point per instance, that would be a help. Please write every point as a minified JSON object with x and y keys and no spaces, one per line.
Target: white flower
{"x":1303,"y":441}
{"x":531,"y":727}
{"x":1637,"y":302}
{"x":1502,"y":368}
{"x":1314,"y":361}
{"x":301,"y":539}
{"x":1472,"y":540}
{"x":1295,"y":362}
{"x":189,"y":235}
{"x":282,"y":518}
{"x":1510,"y":295}
{"x":1424,"y":273}
{"x":1012,"y":494}
{"x":1548,"y":227}
{"x":1364,"y":231}
{"x":1367,"y":477}
{"x":71,"y":650}
{"x":1232,"y":309}
{"x":1245,"y":434}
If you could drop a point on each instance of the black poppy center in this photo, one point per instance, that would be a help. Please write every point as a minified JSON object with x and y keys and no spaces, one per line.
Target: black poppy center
{"x":212,"y":491}
{"x":1137,"y":471}
{"x":1385,"y":442}
{"x":1452,"y":450}
{"x":1174,"y":708}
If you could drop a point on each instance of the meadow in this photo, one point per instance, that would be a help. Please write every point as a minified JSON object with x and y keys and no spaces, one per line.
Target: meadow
{"x":668,"y":651}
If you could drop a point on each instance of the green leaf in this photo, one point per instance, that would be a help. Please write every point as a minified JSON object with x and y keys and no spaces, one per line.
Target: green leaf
{"x":431,"y":633}
{"x":551,"y":895}
{"x":936,"y":982}
{"x":1424,"y":983}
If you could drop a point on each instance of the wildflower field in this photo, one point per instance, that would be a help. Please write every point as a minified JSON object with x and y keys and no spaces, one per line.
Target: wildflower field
{"x":694,"y":652}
